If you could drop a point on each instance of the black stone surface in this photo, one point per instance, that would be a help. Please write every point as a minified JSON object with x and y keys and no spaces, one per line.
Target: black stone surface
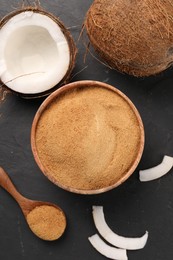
{"x":129,"y":209}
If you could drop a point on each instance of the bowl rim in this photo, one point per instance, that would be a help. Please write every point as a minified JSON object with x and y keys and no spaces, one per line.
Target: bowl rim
{"x":54,"y":95}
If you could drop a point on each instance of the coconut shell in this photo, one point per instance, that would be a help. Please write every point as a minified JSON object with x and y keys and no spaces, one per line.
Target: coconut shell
{"x":132,"y":36}
{"x":72,"y":48}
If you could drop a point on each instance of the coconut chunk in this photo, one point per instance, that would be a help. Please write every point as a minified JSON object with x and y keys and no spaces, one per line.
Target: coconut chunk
{"x":34,"y":53}
{"x":113,"y":238}
{"x":106,"y":250}
{"x":157,"y":171}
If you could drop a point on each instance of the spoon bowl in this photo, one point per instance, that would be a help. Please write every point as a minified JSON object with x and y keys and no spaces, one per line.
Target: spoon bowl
{"x":30,"y":208}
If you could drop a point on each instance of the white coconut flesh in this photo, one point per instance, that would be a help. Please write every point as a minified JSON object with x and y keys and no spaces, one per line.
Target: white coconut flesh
{"x":106,"y":250}
{"x":157,"y":171}
{"x":130,"y":243}
{"x":34,"y":53}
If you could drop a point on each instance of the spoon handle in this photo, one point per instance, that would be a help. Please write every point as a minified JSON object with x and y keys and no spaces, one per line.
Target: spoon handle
{"x":6,"y":183}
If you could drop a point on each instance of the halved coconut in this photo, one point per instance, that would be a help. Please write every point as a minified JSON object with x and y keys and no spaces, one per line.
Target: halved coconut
{"x":37,"y":52}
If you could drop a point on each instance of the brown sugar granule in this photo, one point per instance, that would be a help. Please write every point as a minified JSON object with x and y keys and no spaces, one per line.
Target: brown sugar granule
{"x":47,"y":222}
{"x":88,"y":138}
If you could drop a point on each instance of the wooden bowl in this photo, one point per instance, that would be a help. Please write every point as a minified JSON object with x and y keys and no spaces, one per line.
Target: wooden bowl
{"x":107,"y":146}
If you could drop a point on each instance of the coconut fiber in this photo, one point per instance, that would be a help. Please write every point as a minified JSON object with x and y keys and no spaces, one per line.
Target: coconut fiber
{"x":132,"y":36}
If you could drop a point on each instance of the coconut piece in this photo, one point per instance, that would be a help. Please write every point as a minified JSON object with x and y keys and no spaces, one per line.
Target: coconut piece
{"x":113,"y":238}
{"x":158,"y":171}
{"x":135,"y":37}
{"x":37,"y":52}
{"x":106,"y":250}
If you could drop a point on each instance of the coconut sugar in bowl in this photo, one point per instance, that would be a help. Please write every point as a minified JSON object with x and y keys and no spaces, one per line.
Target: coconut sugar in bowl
{"x":87,"y":137}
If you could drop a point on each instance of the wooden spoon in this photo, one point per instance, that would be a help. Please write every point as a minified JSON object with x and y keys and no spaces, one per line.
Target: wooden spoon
{"x":37,"y":213}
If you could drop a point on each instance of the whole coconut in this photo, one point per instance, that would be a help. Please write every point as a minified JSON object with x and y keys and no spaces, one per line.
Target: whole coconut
{"x":132,"y":36}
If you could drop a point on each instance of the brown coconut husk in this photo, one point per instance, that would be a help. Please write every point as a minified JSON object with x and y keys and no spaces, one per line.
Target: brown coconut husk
{"x":3,"y":94}
{"x":134,"y":37}
{"x":67,"y":34}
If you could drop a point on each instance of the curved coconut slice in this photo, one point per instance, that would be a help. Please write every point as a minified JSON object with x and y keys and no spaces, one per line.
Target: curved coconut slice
{"x":36,"y":51}
{"x":106,"y":250}
{"x":113,"y":238}
{"x":157,"y":171}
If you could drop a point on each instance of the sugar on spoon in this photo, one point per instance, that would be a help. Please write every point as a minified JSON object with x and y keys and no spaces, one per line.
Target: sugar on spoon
{"x":46,"y":220}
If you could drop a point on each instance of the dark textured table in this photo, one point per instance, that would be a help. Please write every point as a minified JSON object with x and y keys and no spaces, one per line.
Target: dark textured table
{"x":129,"y":209}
